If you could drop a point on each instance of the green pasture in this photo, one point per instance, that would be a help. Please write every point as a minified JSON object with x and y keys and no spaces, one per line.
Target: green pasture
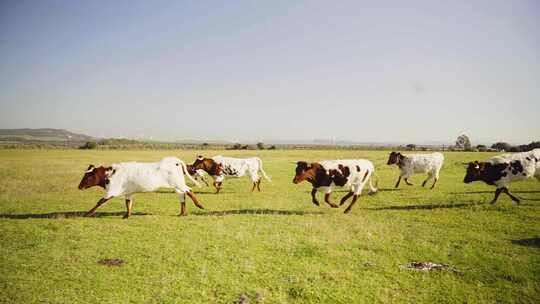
{"x":269,"y":247}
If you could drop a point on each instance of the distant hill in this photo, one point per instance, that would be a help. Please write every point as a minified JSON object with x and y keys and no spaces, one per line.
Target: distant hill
{"x":42,"y":135}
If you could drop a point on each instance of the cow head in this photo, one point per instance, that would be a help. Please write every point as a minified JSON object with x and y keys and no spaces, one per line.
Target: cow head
{"x":96,"y":177}
{"x":302,"y":172}
{"x":474,"y":172}
{"x":208,"y":165}
{"x":394,"y":158}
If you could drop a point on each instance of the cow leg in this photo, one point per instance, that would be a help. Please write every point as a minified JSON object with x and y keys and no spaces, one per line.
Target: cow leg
{"x":355,"y":197}
{"x":218,"y":187}
{"x":182,"y":209}
{"x":259,"y":184}
{"x":327,"y":200}
{"x":406,"y":179}
{"x":434,"y":182}
{"x":313,"y":197}
{"x":398,"y":181}
{"x":428,"y":178}
{"x":129,"y":205}
{"x":515,"y":199}
{"x":182,"y":196}
{"x":194,"y":199}
{"x":254,"y":185}
{"x":497,"y":193}
{"x":345,"y":198}
{"x":101,"y":201}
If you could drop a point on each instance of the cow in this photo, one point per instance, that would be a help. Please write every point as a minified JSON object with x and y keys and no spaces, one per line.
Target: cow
{"x":500,"y":172}
{"x":125,"y":179}
{"x":352,"y":174}
{"x":522,"y":156}
{"x":417,"y":163}
{"x":197,"y":174}
{"x":220,"y":166}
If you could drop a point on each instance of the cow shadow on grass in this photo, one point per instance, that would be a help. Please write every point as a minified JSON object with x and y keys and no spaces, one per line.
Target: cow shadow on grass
{"x":255,"y":212}
{"x":481,"y":192}
{"x":61,"y":215}
{"x":429,"y":206}
{"x":531,"y":242}
{"x":492,"y":192}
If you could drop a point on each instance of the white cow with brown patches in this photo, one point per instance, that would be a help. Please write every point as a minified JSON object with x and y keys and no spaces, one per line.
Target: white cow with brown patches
{"x":125,"y":179}
{"x":351,"y":174}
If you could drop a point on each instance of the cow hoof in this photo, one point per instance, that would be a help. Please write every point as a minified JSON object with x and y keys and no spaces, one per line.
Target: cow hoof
{"x":89,"y":215}
{"x":125,"y":216}
{"x":347,"y":210}
{"x":333,"y":205}
{"x":182,"y":214}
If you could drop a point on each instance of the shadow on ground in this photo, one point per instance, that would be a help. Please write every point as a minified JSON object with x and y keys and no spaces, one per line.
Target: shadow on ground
{"x":492,"y":192}
{"x":429,"y":206}
{"x":479,"y":192}
{"x":60,"y":215}
{"x":256,"y":212}
{"x":532,"y":242}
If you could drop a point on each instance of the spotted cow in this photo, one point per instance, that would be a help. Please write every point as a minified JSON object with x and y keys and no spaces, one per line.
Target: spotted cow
{"x":499,"y":172}
{"x":220,"y":166}
{"x":325,"y":175}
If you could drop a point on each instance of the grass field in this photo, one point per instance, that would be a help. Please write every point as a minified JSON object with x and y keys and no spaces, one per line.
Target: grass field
{"x":268,"y":247}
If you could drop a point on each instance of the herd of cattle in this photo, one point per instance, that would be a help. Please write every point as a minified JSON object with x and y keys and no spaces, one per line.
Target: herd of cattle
{"x":125,"y":179}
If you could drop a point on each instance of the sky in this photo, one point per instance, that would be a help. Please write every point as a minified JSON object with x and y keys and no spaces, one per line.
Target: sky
{"x":383,"y":71}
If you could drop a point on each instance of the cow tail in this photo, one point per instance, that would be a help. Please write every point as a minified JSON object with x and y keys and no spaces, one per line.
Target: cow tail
{"x":268,"y":178}
{"x":185,"y":171}
{"x":372,"y":189}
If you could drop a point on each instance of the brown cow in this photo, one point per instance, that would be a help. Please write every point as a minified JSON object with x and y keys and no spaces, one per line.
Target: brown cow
{"x":212,"y":168}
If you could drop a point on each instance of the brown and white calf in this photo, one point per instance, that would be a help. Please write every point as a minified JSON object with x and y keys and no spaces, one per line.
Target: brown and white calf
{"x":197,"y":174}
{"x":500,"y":172}
{"x":125,"y":179}
{"x":351,"y":174}
{"x":220,"y":166}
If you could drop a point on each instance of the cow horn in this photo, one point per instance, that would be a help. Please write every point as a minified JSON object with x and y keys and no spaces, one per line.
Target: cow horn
{"x":200,"y":157}
{"x":90,"y":169}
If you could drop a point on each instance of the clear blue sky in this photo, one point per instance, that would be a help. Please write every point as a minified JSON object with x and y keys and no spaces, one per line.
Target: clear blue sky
{"x":407,"y":71}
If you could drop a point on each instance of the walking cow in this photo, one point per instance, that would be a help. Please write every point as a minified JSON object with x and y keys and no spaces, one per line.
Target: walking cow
{"x":220,"y":166}
{"x":503,"y":170}
{"x":417,"y":163}
{"x":125,"y":179}
{"x":351,"y":174}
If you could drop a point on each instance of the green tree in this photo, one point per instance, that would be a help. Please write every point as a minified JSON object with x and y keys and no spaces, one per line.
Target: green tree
{"x":89,"y":145}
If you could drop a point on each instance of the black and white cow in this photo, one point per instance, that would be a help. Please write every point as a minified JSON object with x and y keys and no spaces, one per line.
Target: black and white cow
{"x":501,"y":171}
